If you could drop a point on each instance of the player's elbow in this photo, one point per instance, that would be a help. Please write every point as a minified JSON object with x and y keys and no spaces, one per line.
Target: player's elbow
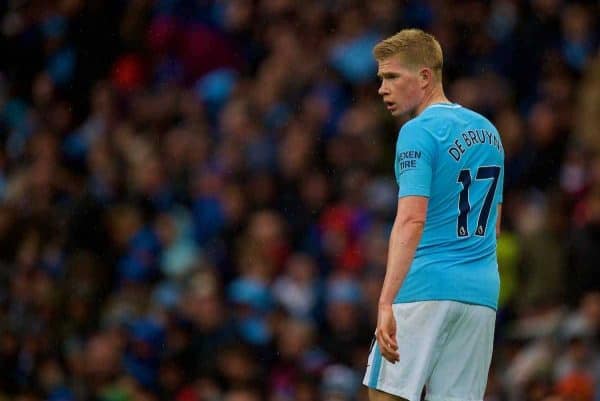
{"x":415,"y":222}
{"x":411,"y":213}
{"x":408,"y":230}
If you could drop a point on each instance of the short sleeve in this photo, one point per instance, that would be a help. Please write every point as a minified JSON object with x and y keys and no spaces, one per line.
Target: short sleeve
{"x":415,"y":152}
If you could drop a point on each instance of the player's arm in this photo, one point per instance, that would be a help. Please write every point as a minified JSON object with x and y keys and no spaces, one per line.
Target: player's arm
{"x":500,"y":195}
{"x":499,"y":220}
{"x":404,"y":238}
{"x":415,"y":152}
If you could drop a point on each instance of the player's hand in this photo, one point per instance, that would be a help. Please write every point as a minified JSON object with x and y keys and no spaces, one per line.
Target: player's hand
{"x":385,"y":333}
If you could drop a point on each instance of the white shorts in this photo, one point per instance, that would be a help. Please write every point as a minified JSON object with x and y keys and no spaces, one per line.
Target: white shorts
{"x":444,"y":346}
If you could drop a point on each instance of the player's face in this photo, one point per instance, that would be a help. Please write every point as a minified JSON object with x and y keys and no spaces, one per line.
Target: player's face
{"x":400,"y":87}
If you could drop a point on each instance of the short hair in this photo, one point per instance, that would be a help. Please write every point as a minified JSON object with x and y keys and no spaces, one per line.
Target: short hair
{"x":416,"y":48}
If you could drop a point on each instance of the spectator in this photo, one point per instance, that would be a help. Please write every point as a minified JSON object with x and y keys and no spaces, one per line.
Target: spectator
{"x":195,"y":195}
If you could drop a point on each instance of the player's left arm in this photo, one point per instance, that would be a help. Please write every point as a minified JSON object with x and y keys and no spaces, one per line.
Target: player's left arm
{"x":500,"y":189}
{"x":499,"y":220}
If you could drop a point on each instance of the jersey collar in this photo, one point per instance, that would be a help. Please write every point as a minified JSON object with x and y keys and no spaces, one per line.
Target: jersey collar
{"x":444,"y":104}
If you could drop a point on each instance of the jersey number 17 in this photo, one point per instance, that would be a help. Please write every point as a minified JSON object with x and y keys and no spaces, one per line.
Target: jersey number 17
{"x":464,"y":206}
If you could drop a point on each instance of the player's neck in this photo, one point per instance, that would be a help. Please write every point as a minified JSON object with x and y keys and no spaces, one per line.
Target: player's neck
{"x":435,"y":96}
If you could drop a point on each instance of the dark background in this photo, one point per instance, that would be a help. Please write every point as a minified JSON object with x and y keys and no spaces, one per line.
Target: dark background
{"x":196,"y":195}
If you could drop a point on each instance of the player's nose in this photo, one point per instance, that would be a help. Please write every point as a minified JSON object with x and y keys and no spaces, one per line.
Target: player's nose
{"x":382,"y":89}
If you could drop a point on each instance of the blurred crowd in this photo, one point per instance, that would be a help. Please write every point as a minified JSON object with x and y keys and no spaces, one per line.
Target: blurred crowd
{"x":196,"y":195}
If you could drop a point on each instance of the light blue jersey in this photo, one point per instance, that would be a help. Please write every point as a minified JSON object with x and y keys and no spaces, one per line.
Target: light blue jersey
{"x":453,"y":156}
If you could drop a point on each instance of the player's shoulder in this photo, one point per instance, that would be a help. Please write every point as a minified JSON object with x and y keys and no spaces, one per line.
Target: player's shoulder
{"x":433,"y":122}
{"x":423,"y":123}
{"x":476,"y":116}
{"x":416,"y":130}
{"x":412,"y":125}
{"x":453,"y":117}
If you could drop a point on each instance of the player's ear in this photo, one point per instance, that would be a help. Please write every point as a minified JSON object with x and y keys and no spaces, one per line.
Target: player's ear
{"x":425,"y":76}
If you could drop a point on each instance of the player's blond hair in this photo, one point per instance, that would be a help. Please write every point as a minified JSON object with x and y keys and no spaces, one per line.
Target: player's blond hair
{"x":415,"y":48}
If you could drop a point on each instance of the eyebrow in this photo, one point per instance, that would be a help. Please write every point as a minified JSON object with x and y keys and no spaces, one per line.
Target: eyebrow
{"x":387,"y":74}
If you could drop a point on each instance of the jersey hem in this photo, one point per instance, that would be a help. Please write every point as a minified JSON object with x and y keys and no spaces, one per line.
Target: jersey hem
{"x":494,"y":307}
{"x":411,"y":193}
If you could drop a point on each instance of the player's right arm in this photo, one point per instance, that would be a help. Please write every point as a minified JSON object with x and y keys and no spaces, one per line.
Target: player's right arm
{"x":415,"y":152}
{"x":404,"y":239}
